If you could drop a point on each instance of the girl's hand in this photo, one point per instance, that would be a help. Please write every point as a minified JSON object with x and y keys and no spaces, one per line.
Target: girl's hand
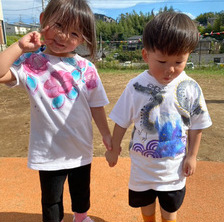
{"x":107,"y":142}
{"x":30,"y":42}
{"x":189,"y":165}
{"x":45,"y":35}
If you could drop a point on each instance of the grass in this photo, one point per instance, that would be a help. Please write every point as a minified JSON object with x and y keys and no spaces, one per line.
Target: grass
{"x":208,"y":71}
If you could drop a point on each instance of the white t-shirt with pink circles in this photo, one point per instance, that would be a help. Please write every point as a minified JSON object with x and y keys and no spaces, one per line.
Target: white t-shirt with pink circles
{"x":61,"y":92}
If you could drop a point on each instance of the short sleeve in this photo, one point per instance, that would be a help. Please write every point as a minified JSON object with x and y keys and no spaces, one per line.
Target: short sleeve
{"x":96,"y":93}
{"x":200,"y":118}
{"x":122,"y":113}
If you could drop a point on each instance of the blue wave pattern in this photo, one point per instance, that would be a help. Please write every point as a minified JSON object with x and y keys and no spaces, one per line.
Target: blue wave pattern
{"x":170,"y":142}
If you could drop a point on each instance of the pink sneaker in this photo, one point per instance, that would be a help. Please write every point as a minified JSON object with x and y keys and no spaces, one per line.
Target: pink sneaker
{"x":87,"y":219}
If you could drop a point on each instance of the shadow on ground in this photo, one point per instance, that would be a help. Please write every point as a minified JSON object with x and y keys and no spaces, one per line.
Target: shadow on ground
{"x":24,"y":217}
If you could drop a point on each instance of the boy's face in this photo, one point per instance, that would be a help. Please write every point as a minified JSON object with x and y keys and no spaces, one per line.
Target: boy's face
{"x":164,"y":68}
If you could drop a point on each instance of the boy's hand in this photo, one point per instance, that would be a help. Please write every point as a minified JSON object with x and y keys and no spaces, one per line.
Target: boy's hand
{"x":189,"y":165}
{"x":30,"y":42}
{"x":111,"y":157}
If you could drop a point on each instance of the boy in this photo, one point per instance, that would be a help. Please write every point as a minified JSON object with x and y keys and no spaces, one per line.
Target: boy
{"x":165,"y":105}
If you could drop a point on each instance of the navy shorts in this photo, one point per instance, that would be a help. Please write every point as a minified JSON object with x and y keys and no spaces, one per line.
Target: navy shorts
{"x":52,"y":186}
{"x":170,"y":201}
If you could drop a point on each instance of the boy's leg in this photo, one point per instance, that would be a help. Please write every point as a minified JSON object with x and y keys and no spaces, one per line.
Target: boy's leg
{"x":79,"y":186}
{"x":167,"y":216}
{"x":170,"y":202}
{"x":145,"y":200}
{"x":148,"y":213}
{"x":52,"y":183}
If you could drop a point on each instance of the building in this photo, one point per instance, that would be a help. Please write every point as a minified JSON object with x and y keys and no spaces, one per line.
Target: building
{"x":134,"y":43}
{"x":204,"y":46}
{"x":211,"y":21}
{"x":207,"y":46}
{"x":2,"y":30}
{"x":20,"y":28}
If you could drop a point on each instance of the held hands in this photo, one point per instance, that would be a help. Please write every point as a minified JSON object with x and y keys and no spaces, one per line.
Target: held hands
{"x":111,"y":157}
{"x":189,"y":165}
{"x":110,"y":154}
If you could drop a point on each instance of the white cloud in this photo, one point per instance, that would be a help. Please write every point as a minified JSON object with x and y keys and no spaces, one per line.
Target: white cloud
{"x":190,"y":15}
{"x":14,"y":10}
{"x":115,"y":4}
{"x":118,"y":4}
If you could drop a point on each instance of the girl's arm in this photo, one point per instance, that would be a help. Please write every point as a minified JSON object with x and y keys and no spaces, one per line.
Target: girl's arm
{"x":112,"y":155}
{"x":7,"y":58}
{"x":29,"y":42}
{"x":194,"y":139}
{"x":99,"y":116}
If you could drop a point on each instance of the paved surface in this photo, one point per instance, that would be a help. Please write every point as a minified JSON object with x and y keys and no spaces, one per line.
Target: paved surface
{"x":20,"y":193}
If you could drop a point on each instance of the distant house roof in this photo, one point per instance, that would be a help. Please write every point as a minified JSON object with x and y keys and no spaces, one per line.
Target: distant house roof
{"x":134,"y":38}
{"x":83,"y":51}
{"x":21,"y":24}
{"x":208,"y":39}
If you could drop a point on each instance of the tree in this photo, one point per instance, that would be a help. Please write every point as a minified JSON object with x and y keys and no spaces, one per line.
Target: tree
{"x":217,"y":25}
{"x":203,"y":18}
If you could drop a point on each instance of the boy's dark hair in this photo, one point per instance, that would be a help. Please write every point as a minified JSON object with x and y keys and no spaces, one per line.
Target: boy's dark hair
{"x":171,"y":33}
{"x":75,"y":13}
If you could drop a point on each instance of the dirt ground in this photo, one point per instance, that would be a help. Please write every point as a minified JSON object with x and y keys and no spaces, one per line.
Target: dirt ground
{"x":15,"y":119}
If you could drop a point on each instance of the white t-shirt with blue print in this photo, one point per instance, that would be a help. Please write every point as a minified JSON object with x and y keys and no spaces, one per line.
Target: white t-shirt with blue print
{"x":61,"y":92}
{"x":161,"y":116}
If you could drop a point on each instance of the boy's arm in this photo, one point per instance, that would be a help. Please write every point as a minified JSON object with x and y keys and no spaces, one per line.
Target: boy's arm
{"x":194,"y":139}
{"x":29,"y":42}
{"x":112,"y":155}
{"x":99,"y":116}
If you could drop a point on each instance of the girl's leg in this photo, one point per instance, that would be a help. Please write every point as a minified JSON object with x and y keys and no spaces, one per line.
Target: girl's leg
{"x":79,"y":186}
{"x":148,"y":213}
{"x":52,"y":183}
{"x":167,"y":216}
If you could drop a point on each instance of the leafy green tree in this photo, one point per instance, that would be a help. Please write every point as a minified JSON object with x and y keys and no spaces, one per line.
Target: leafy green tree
{"x":217,"y":25}
{"x":203,"y":18}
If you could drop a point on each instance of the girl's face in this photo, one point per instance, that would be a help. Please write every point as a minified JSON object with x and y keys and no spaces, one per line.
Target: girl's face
{"x":164,"y":68}
{"x":59,"y":41}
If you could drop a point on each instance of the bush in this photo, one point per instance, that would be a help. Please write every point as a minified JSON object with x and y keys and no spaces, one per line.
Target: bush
{"x":12,"y":39}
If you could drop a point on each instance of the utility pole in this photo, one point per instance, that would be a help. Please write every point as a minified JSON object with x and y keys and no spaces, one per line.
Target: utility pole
{"x":43,"y":5}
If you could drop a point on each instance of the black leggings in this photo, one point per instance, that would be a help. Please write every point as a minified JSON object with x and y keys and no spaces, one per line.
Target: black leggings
{"x":52,"y":186}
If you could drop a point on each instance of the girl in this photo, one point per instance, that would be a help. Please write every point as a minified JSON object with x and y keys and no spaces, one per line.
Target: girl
{"x":65,"y":92}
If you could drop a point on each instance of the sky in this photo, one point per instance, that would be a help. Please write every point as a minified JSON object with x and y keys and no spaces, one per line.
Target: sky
{"x":28,"y":11}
